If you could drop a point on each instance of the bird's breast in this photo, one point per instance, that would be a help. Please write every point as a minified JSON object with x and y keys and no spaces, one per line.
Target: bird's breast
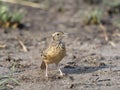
{"x":55,"y":54}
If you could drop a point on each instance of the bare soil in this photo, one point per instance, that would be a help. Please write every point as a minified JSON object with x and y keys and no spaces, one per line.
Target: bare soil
{"x":91,"y":63}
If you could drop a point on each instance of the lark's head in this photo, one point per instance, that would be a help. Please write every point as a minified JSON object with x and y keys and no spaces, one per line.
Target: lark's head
{"x":58,"y":36}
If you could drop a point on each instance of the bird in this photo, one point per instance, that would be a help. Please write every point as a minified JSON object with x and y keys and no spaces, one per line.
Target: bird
{"x":55,"y":52}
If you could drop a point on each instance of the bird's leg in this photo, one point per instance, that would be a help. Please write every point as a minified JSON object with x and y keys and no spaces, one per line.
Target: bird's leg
{"x":46,"y":73}
{"x":61,"y":73}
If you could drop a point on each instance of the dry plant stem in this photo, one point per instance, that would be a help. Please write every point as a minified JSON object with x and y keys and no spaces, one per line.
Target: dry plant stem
{"x":25,"y":3}
{"x":3,"y":46}
{"x":112,"y":43}
{"x":23,"y":46}
{"x":118,"y":34}
{"x":103,"y":28}
{"x":106,"y":36}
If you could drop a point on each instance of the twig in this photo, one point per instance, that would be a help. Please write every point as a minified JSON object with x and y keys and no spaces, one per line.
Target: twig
{"x":118,"y":34}
{"x":23,"y":46}
{"x":112,"y":43}
{"x":103,"y":28}
{"x":25,"y":3}
{"x":3,"y":46}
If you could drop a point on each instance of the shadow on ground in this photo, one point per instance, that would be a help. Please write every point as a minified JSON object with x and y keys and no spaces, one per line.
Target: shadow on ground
{"x":80,"y":70}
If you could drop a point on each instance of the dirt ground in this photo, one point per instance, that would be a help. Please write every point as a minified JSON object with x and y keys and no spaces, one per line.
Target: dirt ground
{"x":91,"y":63}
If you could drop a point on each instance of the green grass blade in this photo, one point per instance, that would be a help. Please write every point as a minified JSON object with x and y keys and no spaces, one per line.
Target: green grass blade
{"x":14,"y":80}
{"x":3,"y":81}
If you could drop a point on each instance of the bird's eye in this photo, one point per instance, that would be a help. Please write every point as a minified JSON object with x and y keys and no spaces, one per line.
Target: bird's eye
{"x":58,"y":34}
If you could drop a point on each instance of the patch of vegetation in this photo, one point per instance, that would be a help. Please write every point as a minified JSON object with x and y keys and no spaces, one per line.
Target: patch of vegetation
{"x":93,"y":1}
{"x":94,"y":17}
{"x":114,"y":6}
{"x":111,"y":2}
{"x":7,"y":80}
{"x":114,"y":9}
{"x":36,"y":1}
{"x":9,"y":19}
{"x":61,"y":8}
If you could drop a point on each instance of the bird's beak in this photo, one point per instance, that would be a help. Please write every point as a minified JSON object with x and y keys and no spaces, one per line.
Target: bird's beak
{"x":65,"y":34}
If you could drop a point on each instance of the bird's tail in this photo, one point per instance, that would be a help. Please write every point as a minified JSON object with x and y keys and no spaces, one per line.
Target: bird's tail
{"x":43,"y":66}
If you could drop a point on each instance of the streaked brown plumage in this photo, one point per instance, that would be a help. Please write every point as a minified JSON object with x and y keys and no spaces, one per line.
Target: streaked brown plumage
{"x":55,"y":52}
